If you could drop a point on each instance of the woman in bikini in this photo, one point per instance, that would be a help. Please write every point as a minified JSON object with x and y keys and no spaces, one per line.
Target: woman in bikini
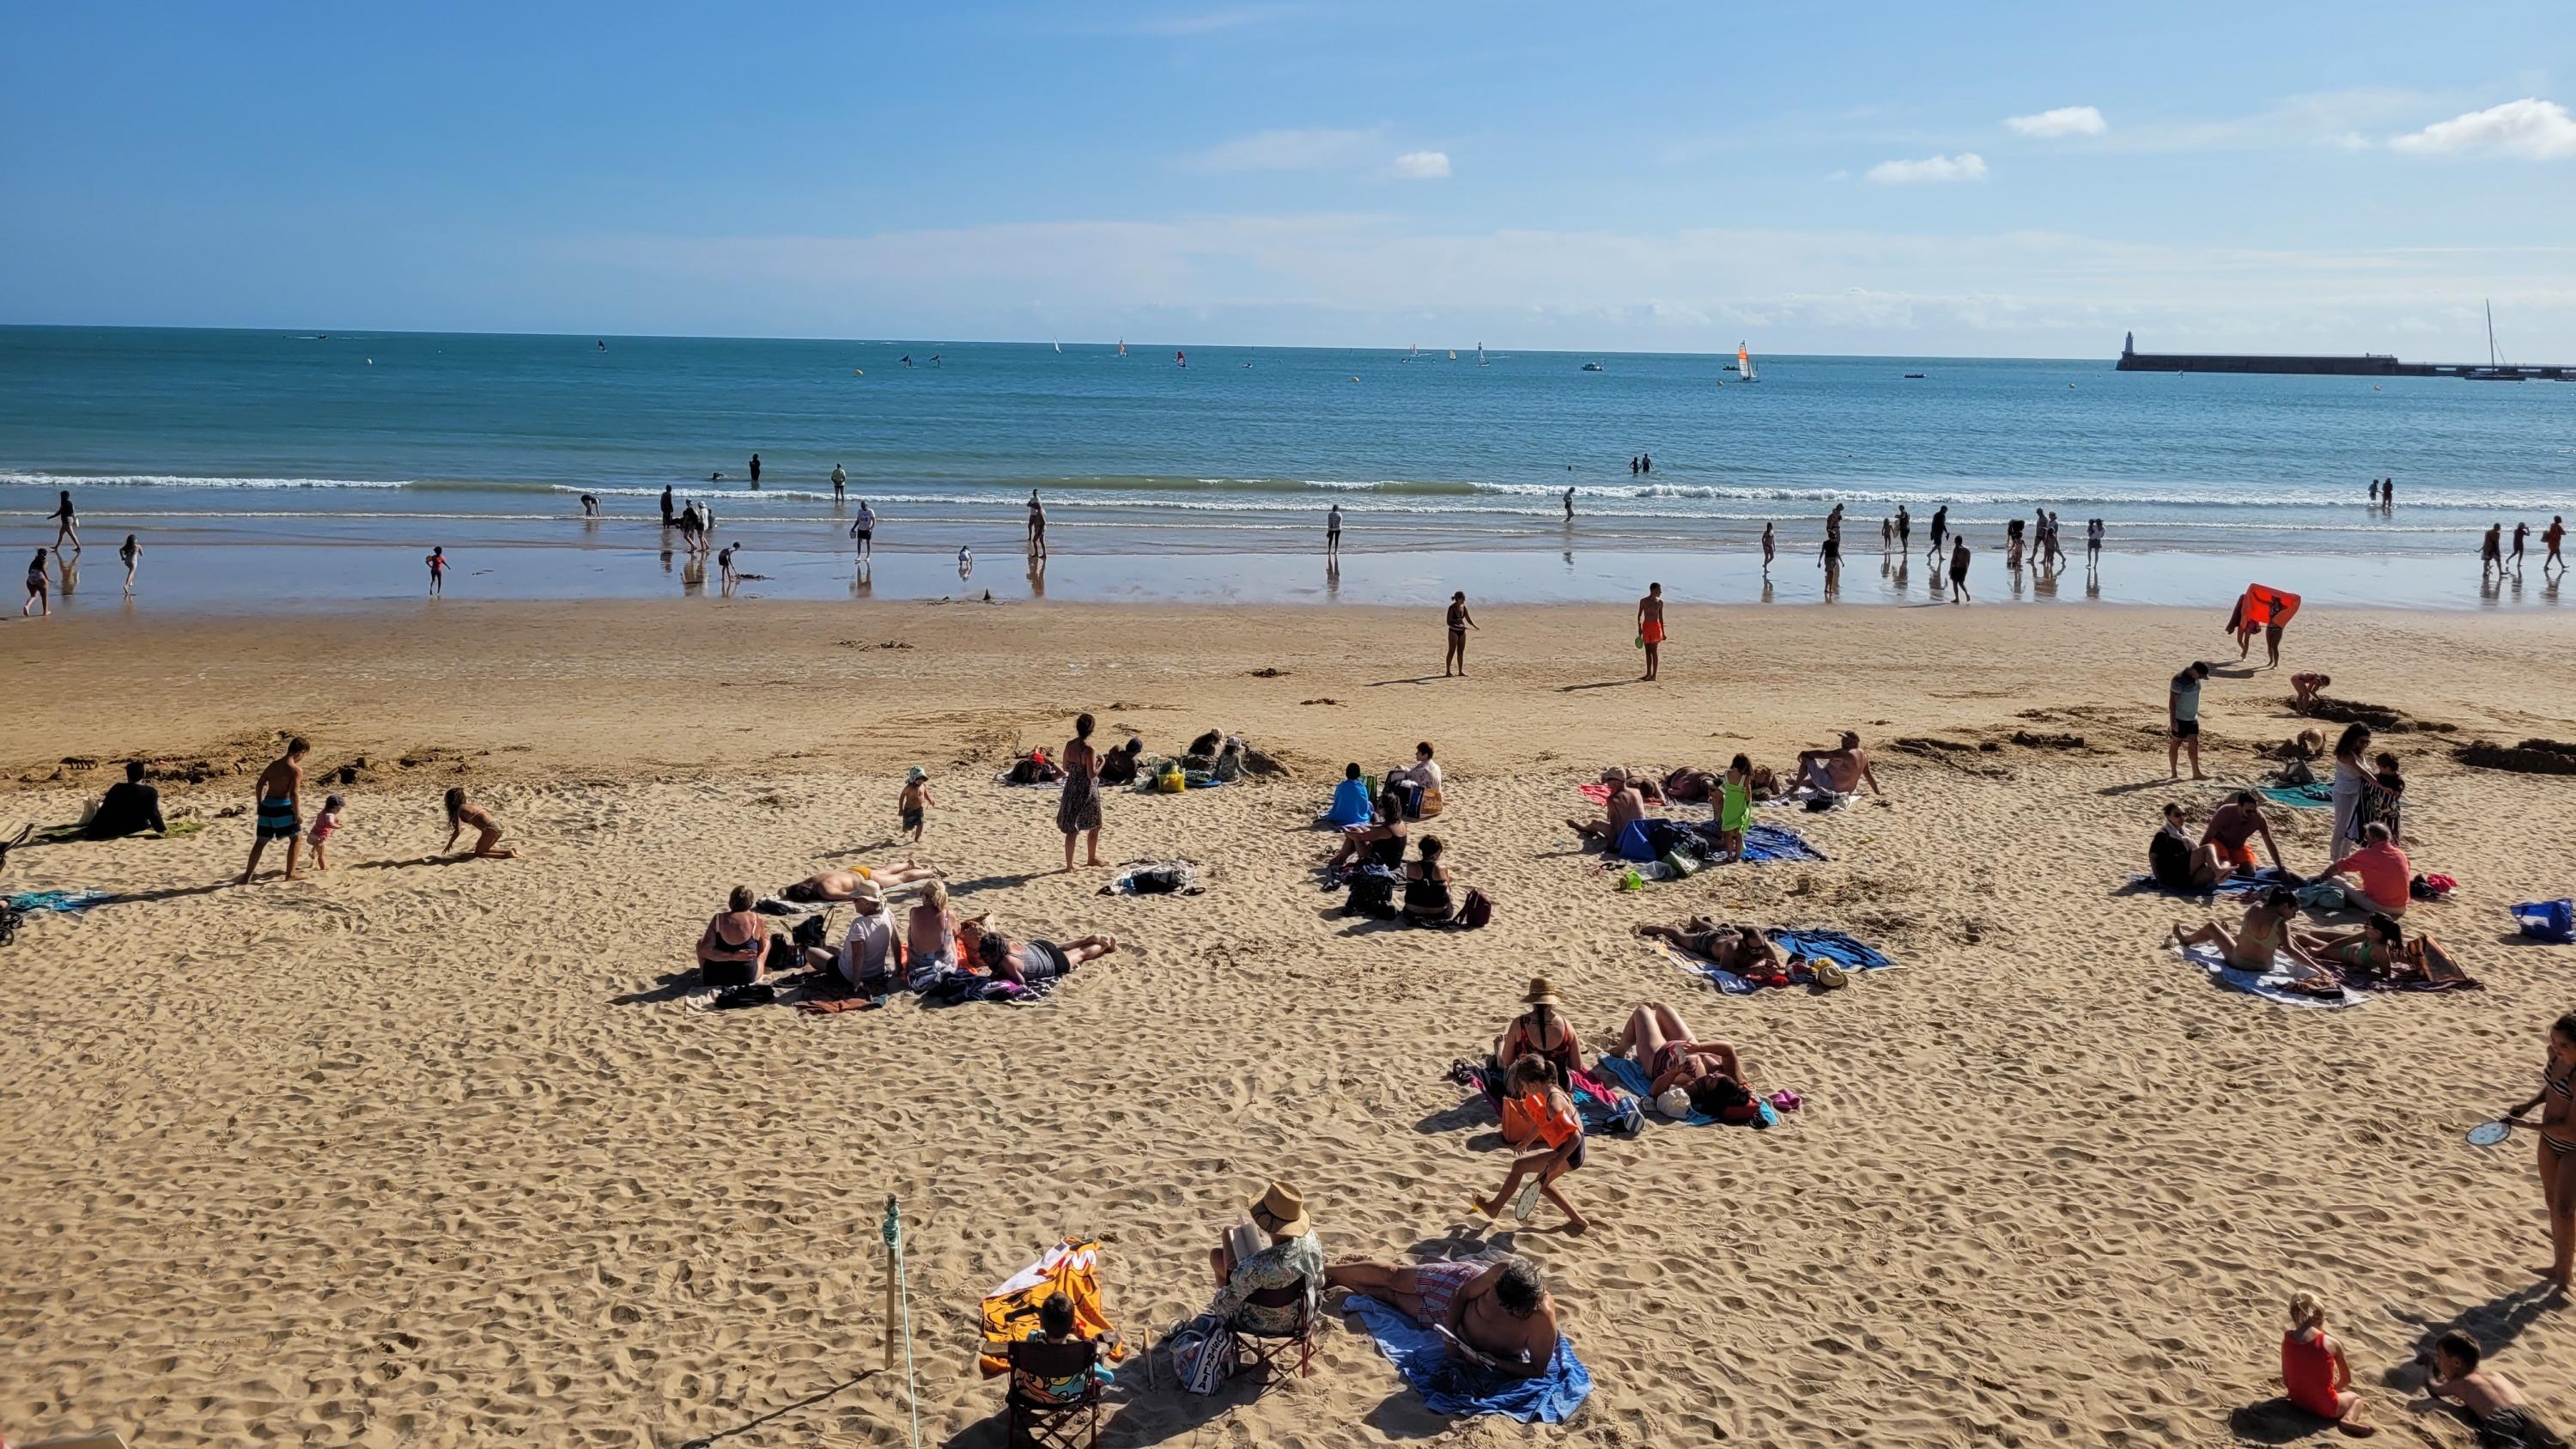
{"x":2557,"y":1102}
{"x":1662,"y":1044}
{"x":735,"y":944}
{"x":1734,"y":948}
{"x":2263,"y":935}
{"x":38,"y":590}
{"x":2371,"y":951}
{"x":1426,"y":888}
{"x":1378,"y":843}
{"x":461,"y":813}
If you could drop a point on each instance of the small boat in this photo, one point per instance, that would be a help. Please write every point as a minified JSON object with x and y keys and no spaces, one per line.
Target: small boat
{"x":1481,"y":359}
{"x":2495,"y":370}
{"x":1914,"y":377}
{"x":1122,"y":347}
{"x":1453,"y":354}
{"x":1744,"y":363}
{"x":1059,"y":349}
{"x":1180,"y":359}
{"x":1592,"y":367}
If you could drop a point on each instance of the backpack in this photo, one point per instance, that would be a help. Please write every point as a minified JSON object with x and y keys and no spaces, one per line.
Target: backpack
{"x":2552,"y":921}
{"x":1202,"y":1352}
{"x":1476,"y":911}
{"x":1372,"y":895}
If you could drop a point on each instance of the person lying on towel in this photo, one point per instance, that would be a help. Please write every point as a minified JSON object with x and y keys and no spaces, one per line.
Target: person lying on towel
{"x":1491,"y":1313}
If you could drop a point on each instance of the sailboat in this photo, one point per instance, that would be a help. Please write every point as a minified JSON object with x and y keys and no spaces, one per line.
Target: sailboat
{"x":1180,"y":359}
{"x":1414,"y":354}
{"x":1744,"y":363}
{"x":1122,"y":347}
{"x":2495,"y":370}
{"x":1453,"y":354}
{"x":1481,"y":360}
{"x":1059,"y":349}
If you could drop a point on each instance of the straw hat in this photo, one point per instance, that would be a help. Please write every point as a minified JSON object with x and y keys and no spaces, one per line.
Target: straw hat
{"x":1540,"y":993}
{"x":869,"y":891}
{"x":1281,"y":1211}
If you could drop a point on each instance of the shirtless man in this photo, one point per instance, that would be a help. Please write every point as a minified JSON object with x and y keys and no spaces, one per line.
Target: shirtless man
{"x":1733,"y":948}
{"x":844,"y":885}
{"x":2491,"y":552}
{"x":1491,"y":1313}
{"x":2521,"y":535}
{"x":1841,"y":770}
{"x":280,"y":799}
{"x":1650,"y":627}
{"x":2263,"y":934}
{"x":2232,"y":828}
{"x":1624,"y":808}
{"x":2550,"y":538}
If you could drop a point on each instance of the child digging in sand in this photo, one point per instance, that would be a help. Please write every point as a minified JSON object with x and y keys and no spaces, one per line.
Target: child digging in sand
{"x":2314,"y":1372}
{"x":2503,"y":1420}
{"x":915,"y":802}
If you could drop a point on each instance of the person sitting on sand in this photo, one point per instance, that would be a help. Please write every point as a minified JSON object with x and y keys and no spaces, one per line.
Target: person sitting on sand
{"x":1624,"y":808}
{"x":130,"y":807}
{"x":930,"y":936}
{"x":1034,"y":768}
{"x":1426,"y":888}
{"x":2494,"y":1404}
{"x":824,"y":887}
{"x":2262,"y":936}
{"x":1491,"y":1313}
{"x":1353,"y":802}
{"x":868,"y":954}
{"x":1118,"y":766}
{"x":1839,"y":771}
{"x":2380,"y":871}
{"x":735,"y":943}
{"x":1416,"y":781}
{"x":1034,"y":962}
{"x":2305,"y":689}
{"x":2232,"y":828}
{"x":1545,"y":1133}
{"x":2314,"y":1372}
{"x":462,"y":812}
{"x":1379,"y":843}
{"x":1293,"y":1256}
{"x":1740,"y":949}
{"x":2180,"y":863}
{"x":1541,"y":1032}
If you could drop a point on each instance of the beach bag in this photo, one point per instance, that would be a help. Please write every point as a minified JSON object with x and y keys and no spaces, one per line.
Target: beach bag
{"x":1681,"y":862}
{"x":1477,"y":911}
{"x":2551,"y":921}
{"x":809,"y":931}
{"x":1637,"y":840}
{"x":2297,"y":773}
{"x":1429,"y":804}
{"x":1172,"y":781}
{"x":1372,"y":895}
{"x":1202,"y":1352}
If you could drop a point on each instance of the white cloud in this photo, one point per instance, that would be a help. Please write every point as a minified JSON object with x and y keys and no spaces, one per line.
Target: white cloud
{"x":2530,"y":127}
{"x":2063,"y":121}
{"x":1422,"y":165}
{"x":1966,"y":166}
{"x":1286,"y":150}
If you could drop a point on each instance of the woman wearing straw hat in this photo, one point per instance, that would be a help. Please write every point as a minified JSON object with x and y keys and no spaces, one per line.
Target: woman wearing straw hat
{"x":1293,"y":1256}
{"x":1541,"y":1032}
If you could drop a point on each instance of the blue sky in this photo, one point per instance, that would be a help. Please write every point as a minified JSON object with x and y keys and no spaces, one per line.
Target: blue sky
{"x":1943,"y":180}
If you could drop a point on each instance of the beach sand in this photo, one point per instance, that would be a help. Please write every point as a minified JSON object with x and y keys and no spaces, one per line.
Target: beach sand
{"x":396,"y":1156}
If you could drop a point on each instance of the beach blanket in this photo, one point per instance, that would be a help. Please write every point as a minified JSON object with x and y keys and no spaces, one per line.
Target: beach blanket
{"x":1010,"y":1311}
{"x":1834,"y":946}
{"x":2318,"y":796}
{"x":69,"y":903}
{"x":1632,"y":1078}
{"x":2235,"y":885}
{"x":1764,"y":843}
{"x":2273,"y":985}
{"x":1459,"y":1391}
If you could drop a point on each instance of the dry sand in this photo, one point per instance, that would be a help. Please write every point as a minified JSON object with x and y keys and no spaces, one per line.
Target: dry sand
{"x":390,"y":1156}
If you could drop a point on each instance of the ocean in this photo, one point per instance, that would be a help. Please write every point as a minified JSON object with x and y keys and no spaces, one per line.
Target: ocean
{"x":261,"y":467}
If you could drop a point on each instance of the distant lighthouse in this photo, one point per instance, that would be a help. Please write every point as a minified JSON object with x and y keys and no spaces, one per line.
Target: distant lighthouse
{"x":2128,"y":343}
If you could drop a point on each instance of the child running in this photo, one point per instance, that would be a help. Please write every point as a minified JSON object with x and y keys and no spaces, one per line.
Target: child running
{"x":2314,"y":1372}
{"x":913,"y":805}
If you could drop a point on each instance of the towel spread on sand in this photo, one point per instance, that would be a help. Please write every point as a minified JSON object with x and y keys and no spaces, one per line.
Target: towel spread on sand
{"x":1632,"y":1079}
{"x":69,"y":903}
{"x":2272,"y":985}
{"x":2319,"y":796}
{"x":1772,"y":842}
{"x":1459,"y":1391}
{"x":1125,"y":885}
{"x":2235,"y":885}
{"x":1834,"y":946}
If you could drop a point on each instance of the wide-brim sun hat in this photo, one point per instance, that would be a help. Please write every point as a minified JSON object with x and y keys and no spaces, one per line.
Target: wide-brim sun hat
{"x":1540,"y":993}
{"x":1281,"y":1211}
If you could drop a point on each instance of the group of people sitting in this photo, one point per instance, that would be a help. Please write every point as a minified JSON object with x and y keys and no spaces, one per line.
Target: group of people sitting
{"x":1822,"y":776}
{"x":875,"y":957}
{"x":1369,"y":861}
{"x":1414,"y":789}
{"x":2381,"y":885}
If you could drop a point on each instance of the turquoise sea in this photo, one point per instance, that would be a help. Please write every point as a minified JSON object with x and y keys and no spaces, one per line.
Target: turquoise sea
{"x":359,"y":450}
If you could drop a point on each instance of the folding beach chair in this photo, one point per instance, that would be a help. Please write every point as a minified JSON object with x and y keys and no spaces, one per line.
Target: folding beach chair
{"x":1039,"y":1413}
{"x":1265,"y":1351}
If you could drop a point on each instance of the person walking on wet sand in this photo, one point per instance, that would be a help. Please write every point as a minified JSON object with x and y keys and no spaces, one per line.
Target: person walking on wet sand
{"x":1940,"y":535}
{"x":1460,"y":621}
{"x":1333,"y":533}
{"x":2182,"y":719}
{"x":1770,"y":548}
{"x":1078,"y":809}
{"x":1650,"y":629}
{"x":437,"y":562}
{"x":2521,"y":534}
{"x":66,"y":521}
{"x":2550,"y":540}
{"x":39,"y":588}
{"x":1037,"y":525}
{"x":280,"y":799}
{"x":129,"y":553}
{"x":1959,"y":569}
{"x":2491,"y":553}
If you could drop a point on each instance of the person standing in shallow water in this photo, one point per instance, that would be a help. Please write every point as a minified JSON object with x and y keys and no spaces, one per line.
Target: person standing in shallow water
{"x":1959,"y":569}
{"x":840,"y":482}
{"x":1569,"y":505}
{"x":1460,"y":621}
{"x":1333,"y":533}
{"x":755,"y":470}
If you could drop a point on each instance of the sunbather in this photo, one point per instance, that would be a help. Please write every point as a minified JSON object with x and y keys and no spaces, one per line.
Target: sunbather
{"x":2182,"y":864}
{"x":1033,"y":768}
{"x":1687,"y":1074}
{"x":1624,"y":808}
{"x":1841,"y":770}
{"x":2374,"y":950}
{"x":1739,"y":949}
{"x":1034,"y":962}
{"x":1688,"y":786}
{"x":735,"y":943}
{"x":2264,"y":933}
{"x":1545,"y":1134}
{"x":1381,"y":842}
{"x":1492,"y":1313}
{"x":843,"y":885}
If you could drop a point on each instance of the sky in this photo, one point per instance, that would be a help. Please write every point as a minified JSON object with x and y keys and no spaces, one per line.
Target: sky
{"x":1928,"y":180}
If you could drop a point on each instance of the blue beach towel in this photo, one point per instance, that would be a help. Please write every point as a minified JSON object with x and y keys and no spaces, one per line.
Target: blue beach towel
{"x":1460,"y":1392}
{"x":1834,"y":946}
{"x":1635,"y":843}
{"x":1777,"y":842}
{"x":70,"y":903}
{"x":2319,"y":796}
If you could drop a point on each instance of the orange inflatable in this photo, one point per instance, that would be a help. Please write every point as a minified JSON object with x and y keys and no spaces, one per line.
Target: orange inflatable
{"x":2261,"y":605}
